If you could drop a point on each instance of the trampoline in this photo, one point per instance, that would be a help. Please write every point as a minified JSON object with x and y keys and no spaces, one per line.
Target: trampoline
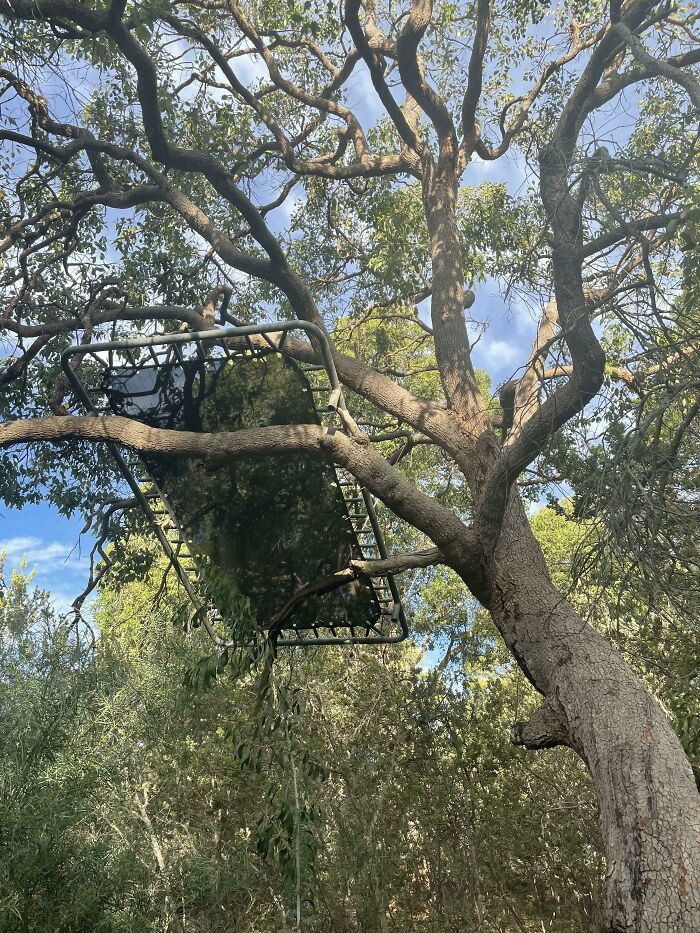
{"x":267,"y":529}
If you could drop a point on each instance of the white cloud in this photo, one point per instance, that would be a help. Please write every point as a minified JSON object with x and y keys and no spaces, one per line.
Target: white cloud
{"x":249,"y":69}
{"x":480,"y":167}
{"x":524,"y":315}
{"x":500,"y":352}
{"x":18,"y":545}
{"x":46,"y":556}
{"x":56,"y":566}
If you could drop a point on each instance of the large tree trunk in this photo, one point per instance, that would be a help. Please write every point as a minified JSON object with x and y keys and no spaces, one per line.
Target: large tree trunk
{"x":648,"y":801}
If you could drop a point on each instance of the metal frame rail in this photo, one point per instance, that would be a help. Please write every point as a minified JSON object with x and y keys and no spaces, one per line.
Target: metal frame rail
{"x":235,"y":342}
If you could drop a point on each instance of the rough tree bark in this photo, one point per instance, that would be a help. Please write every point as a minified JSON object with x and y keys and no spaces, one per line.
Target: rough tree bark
{"x":593,"y":703}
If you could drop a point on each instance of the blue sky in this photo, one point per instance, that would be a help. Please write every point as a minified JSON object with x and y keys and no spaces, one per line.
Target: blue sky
{"x":50,"y":543}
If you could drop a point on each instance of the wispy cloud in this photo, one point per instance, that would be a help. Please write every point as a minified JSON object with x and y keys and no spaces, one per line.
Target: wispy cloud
{"x":18,"y":545}
{"x":56,"y":566}
{"x":47,"y":540}
{"x":47,"y":556}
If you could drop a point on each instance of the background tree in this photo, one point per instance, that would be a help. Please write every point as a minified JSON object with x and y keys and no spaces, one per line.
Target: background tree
{"x":161,"y":180}
{"x":142,"y":804}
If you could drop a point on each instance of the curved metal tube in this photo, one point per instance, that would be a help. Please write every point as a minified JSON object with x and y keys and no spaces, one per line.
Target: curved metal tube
{"x":215,"y":335}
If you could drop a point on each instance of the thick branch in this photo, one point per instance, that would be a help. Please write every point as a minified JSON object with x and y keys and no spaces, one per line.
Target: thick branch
{"x":371,"y":59}
{"x":399,"y":562}
{"x":663,"y":68}
{"x":356,"y":455}
{"x":565,"y":219}
{"x":430,"y":418}
{"x":634,"y":225}
{"x":470,"y":128}
{"x":412,"y":70}
{"x":18,"y":367}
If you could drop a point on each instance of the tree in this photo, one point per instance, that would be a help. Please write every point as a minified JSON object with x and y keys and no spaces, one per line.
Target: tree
{"x":174,"y":126}
{"x":51,"y":864}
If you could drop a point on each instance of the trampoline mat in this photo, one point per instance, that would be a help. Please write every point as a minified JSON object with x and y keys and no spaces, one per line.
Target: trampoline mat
{"x":265,"y":526}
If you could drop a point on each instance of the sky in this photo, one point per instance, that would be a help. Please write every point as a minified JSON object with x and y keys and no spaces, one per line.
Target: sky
{"x":52,"y":548}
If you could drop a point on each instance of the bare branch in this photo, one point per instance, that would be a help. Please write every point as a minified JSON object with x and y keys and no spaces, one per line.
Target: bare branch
{"x":412,"y":72}
{"x":663,"y":68}
{"x":347,"y":575}
{"x":406,"y":131}
{"x":399,"y":563}
{"x":470,"y":128}
{"x":634,"y":225}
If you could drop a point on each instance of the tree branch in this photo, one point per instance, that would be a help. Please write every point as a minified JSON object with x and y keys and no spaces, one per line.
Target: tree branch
{"x":398,"y":563}
{"x":412,"y":71}
{"x":472,"y":95}
{"x":371,"y":59}
{"x":344,"y":577}
{"x":544,"y":729}
{"x":355,"y":454}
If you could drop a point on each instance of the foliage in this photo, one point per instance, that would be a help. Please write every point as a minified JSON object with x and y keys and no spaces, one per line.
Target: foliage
{"x":382,"y":792}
